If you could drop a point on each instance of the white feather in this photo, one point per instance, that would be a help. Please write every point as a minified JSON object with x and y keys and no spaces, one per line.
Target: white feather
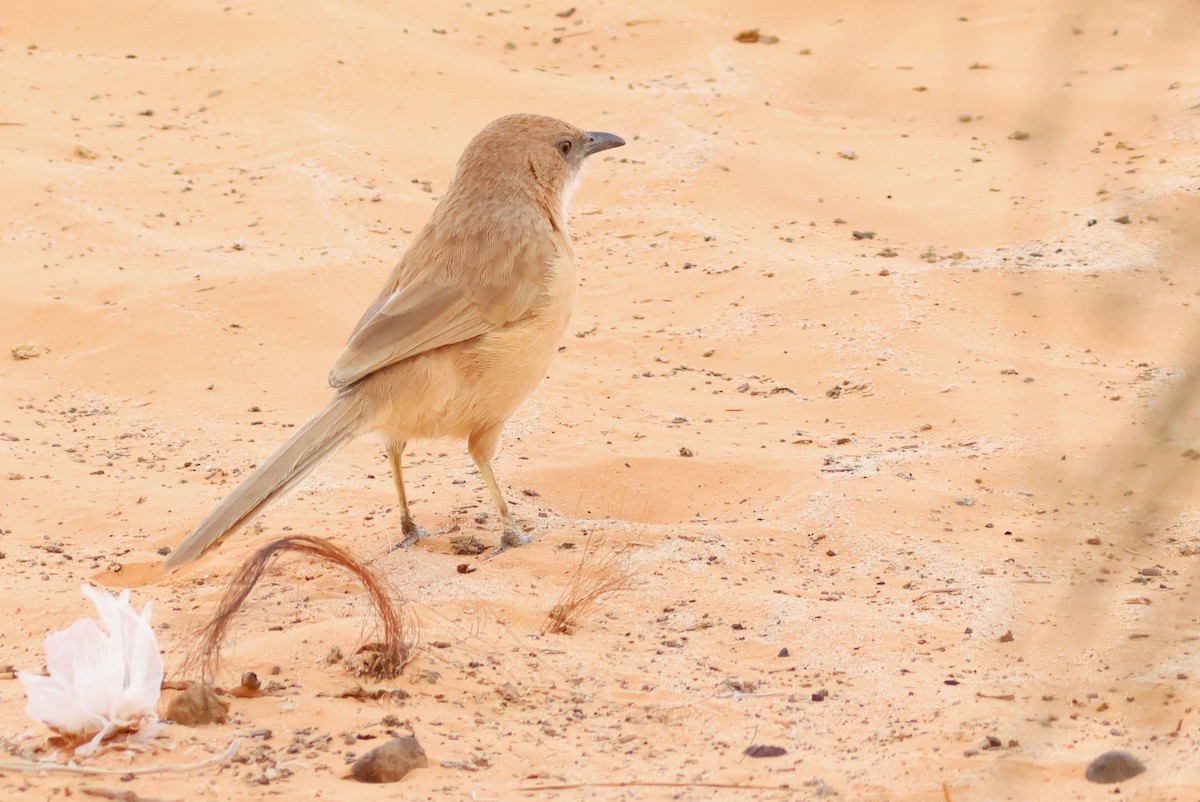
{"x":105,"y":676}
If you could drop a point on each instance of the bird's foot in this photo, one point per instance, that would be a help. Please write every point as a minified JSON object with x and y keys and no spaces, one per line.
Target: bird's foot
{"x":513,"y":537}
{"x":412,"y":533}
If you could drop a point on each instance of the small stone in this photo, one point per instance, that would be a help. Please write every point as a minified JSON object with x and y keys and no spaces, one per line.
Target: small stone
{"x":199,"y":704}
{"x":1114,"y":767}
{"x":480,"y":760}
{"x":819,"y":788}
{"x":250,"y":686}
{"x":763,"y":750}
{"x":390,"y":762}
{"x":784,"y":652}
{"x":1151,"y":571}
{"x":847,"y":153}
{"x":509,"y":692}
{"x":29,"y":351}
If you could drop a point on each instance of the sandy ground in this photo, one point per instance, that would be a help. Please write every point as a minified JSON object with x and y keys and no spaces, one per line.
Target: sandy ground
{"x":914,"y":289}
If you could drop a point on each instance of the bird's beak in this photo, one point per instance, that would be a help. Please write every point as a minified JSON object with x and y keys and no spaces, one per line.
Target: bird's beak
{"x":598,"y":141}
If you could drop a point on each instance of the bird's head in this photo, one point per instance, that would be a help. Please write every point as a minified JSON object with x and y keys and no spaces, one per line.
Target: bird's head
{"x":528,"y":157}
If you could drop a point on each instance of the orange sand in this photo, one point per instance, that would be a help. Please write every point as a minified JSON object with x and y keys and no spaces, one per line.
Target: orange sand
{"x":896,"y":459}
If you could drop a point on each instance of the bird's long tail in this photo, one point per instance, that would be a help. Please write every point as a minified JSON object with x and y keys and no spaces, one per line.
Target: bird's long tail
{"x":329,"y":430}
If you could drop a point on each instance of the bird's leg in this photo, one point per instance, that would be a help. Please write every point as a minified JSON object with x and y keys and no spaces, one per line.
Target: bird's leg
{"x":412,"y":532}
{"x":482,"y":446}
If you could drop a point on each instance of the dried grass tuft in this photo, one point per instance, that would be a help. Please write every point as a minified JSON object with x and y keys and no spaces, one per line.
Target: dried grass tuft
{"x":602,"y":570}
{"x":390,"y":655}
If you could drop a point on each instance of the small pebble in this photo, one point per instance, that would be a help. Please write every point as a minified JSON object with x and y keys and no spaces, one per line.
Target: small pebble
{"x":28,"y":351}
{"x":1113,"y":767}
{"x":763,"y":750}
{"x":390,"y":762}
{"x":199,"y":704}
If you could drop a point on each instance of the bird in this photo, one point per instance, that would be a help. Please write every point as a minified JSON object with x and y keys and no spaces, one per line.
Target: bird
{"x":461,"y":332}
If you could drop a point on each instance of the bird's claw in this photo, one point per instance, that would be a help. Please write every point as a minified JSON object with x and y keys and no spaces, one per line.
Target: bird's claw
{"x":412,"y":533}
{"x":513,"y":537}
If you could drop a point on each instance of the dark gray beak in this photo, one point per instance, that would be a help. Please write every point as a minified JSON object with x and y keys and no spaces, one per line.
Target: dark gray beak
{"x":598,"y":141}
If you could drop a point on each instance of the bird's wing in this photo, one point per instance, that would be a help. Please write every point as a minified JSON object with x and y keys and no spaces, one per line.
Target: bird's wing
{"x":444,"y":306}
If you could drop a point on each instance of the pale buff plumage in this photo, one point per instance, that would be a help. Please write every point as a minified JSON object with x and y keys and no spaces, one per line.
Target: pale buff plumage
{"x":463,"y":329}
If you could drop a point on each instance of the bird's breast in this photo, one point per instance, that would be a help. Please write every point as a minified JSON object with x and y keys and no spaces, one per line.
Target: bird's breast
{"x":502,"y":367}
{"x":480,"y":382}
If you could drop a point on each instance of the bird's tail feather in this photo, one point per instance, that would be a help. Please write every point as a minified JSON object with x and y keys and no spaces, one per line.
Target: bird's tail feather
{"x":330,"y":429}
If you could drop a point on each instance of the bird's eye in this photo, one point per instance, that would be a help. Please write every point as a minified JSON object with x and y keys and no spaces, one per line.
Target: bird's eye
{"x":564,"y":147}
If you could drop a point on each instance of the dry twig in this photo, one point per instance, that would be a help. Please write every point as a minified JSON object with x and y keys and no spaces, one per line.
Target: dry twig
{"x":120,"y":796}
{"x":71,"y":768}
{"x":641,"y":784}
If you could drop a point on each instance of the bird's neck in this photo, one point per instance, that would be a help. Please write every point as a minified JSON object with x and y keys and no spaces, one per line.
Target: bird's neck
{"x":506,"y":201}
